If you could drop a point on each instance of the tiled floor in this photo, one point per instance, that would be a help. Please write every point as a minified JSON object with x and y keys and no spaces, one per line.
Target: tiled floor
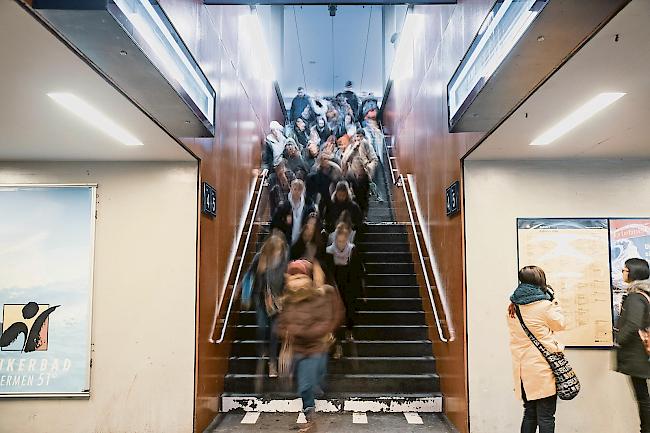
{"x":334,"y":423}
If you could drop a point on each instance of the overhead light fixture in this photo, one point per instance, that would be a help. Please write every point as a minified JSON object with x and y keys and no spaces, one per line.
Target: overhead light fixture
{"x":587,"y":110}
{"x":94,"y":117}
{"x":502,"y":28}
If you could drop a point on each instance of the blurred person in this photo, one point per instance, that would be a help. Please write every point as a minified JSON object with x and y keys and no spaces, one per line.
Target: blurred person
{"x":342,"y":144}
{"x":279,"y":185}
{"x":352,"y":99}
{"x":310,"y":315}
{"x":359,"y":181}
{"x":533,"y":378}
{"x":360,"y":148}
{"x":320,"y":181}
{"x":310,"y":246}
{"x":298,"y":104}
{"x":310,"y":155}
{"x":298,"y":207}
{"x":342,"y":200}
{"x":369,"y":108}
{"x":343,"y":262}
{"x":268,"y":268}
{"x":299,"y":132}
{"x":631,"y":356}
{"x":274,"y":147}
{"x":295,"y":162}
{"x":322,"y":129}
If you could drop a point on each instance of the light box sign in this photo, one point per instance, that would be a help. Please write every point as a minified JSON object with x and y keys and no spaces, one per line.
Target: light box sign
{"x":502,"y":28}
{"x":46,"y":263}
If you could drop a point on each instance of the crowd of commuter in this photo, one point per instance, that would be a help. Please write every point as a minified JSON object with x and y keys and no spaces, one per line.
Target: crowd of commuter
{"x":306,"y":279}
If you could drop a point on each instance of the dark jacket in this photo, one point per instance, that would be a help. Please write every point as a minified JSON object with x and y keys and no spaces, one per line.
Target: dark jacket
{"x":334,"y":210}
{"x":631,"y":356}
{"x":361,"y":187}
{"x":353,"y":100}
{"x":349,"y":279}
{"x":298,"y":166}
{"x":273,"y":278}
{"x":278,"y":220}
{"x":298,"y":105}
{"x":310,"y":318}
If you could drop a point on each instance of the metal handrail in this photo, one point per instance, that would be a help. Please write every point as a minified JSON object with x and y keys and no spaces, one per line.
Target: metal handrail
{"x":262,"y":177}
{"x":390,"y":162}
{"x":421,"y":256}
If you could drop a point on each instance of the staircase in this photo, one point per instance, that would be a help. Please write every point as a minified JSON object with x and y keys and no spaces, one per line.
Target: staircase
{"x":388,"y":367}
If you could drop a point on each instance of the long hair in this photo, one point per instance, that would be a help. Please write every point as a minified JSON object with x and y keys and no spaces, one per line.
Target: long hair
{"x":343,"y":185}
{"x":275,"y":245}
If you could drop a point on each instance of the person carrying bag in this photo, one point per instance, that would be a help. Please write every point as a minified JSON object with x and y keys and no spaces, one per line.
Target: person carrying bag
{"x":538,"y":363}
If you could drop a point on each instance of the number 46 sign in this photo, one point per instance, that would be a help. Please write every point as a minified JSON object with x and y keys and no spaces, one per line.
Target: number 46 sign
{"x":453,"y":198}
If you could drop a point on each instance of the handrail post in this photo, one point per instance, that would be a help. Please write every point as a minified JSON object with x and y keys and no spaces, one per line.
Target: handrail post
{"x":262,"y":178}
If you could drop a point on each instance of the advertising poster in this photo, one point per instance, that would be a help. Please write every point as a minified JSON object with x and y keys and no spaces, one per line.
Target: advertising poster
{"x":629,"y":239}
{"x":574,"y":254}
{"x":46,"y":258}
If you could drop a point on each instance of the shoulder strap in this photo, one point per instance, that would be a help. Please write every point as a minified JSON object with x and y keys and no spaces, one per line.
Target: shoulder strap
{"x":647,"y":307}
{"x":543,"y":350}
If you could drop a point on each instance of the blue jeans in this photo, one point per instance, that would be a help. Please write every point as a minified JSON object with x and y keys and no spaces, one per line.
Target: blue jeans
{"x":538,"y":413}
{"x":310,"y":372}
{"x":266,"y":330}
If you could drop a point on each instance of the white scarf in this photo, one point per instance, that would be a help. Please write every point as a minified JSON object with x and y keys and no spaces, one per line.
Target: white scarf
{"x":296,"y":225}
{"x":341,"y":257}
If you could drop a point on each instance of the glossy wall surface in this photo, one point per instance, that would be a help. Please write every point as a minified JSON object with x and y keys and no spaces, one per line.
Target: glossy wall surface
{"x":246,"y":102}
{"x":416,"y":114}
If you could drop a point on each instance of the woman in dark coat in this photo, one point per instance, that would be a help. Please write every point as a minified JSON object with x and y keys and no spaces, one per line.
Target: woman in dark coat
{"x":631,"y":356}
{"x":342,"y":200}
{"x":343,"y":263}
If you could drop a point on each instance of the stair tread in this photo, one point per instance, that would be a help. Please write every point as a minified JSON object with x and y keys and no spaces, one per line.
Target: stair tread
{"x":351,"y":376}
{"x":365,"y":358}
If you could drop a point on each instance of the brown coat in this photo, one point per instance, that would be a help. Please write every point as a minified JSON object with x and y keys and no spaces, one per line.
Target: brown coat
{"x":529,"y":367}
{"x":310,"y":317}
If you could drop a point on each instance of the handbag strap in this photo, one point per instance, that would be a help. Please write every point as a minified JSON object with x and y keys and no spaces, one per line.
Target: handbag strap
{"x":543,"y":350}
{"x":647,"y":307}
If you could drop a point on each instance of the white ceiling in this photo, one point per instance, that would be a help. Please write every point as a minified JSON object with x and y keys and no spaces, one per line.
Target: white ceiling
{"x":603,"y":65}
{"x":357,"y":35}
{"x":33,"y":127}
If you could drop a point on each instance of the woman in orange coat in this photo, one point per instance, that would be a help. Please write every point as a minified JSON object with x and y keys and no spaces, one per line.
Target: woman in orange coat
{"x":533,"y":378}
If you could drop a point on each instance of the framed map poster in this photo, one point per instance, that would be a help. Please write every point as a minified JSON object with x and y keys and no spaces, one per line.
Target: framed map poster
{"x":629,"y":238}
{"x":47,"y":237}
{"x":574,"y":254}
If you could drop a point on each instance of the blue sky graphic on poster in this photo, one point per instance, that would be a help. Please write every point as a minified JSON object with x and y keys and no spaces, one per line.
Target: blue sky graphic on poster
{"x":629,"y":238}
{"x":46,"y":241}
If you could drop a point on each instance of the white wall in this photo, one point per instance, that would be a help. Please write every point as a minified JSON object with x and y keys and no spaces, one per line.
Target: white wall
{"x":496,"y":193}
{"x":142,"y":376}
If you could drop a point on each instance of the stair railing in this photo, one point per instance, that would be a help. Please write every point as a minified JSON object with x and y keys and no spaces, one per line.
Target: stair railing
{"x":259,"y":180}
{"x":402,"y":185}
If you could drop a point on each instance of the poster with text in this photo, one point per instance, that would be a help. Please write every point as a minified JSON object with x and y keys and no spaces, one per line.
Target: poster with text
{"x":574,"y":254}
{"x":629,"y":239}
{"x":46,"y":259}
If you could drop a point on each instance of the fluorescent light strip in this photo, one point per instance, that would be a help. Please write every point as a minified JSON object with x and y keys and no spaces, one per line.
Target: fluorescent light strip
{"x":574,"y":119}
{"x":94,"y":117}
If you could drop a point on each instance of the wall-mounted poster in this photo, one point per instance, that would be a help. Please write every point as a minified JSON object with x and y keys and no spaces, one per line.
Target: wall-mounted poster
{"x":574,"y":253}
{"x":629,"y":238}
{"x":46,"y":261}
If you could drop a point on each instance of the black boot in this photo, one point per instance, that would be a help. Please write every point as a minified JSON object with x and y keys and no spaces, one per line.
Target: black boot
{"x":644,"y":415}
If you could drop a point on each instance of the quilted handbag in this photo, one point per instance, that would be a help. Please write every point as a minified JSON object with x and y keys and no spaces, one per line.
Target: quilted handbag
{"x":566,"y":381}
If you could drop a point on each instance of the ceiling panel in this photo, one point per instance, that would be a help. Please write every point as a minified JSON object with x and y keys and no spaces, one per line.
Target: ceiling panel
{"x":34,"y":127}
{"x":617,"y":59}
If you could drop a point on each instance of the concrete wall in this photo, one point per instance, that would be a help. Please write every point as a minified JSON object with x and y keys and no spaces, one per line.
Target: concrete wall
{"x":496,"y":193}
{"x":145,"y":255}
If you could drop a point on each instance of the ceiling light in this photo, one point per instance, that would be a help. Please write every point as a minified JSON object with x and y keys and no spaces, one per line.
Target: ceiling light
{"x":574,"y":119}
{"x":95,"y":117}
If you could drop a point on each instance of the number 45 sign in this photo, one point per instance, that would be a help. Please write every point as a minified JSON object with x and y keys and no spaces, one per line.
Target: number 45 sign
{"x":453,"y":198}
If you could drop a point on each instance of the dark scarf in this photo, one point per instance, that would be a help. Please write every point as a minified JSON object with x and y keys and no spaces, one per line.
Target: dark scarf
{"x":528,"y":293}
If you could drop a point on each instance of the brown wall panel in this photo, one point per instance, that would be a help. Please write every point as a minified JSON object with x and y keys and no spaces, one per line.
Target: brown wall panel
{"x":416,"y":113}
{"x":245,"y":105}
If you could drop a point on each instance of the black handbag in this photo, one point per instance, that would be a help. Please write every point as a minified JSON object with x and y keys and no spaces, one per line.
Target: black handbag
{"x":567,"y":384}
